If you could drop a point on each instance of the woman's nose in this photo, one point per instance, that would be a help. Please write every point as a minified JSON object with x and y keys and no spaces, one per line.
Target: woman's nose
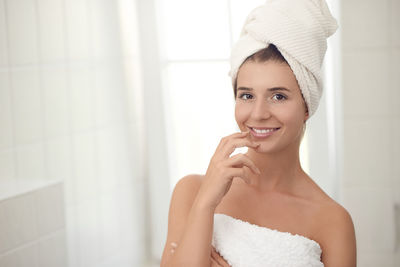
{"x":261,"y":110}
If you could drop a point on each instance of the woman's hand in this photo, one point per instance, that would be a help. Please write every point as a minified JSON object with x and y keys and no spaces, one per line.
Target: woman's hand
{"x":223,"y":168}
{"x":217,"y":260}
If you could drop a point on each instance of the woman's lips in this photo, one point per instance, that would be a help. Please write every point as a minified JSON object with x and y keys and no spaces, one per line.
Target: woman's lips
{"x":262,"y":132}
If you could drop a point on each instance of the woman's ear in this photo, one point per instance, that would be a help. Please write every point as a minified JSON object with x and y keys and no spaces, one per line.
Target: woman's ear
{"x":307,"y":114}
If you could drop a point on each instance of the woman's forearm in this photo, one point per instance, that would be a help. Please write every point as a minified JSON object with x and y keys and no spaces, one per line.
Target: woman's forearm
{"x":194,"y":248}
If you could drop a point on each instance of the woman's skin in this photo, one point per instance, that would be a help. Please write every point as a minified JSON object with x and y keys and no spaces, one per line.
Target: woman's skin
{"x":278,"y":193}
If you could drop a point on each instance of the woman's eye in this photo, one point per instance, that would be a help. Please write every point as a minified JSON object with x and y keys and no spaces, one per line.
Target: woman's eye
{"x":279,"y":97}
{"x":245,"y":96}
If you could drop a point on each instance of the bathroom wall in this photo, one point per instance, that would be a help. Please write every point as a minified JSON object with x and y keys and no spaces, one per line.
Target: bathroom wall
{"x":371,"y":91}
{"x":32,"y":224}
{"x":68,"y":79}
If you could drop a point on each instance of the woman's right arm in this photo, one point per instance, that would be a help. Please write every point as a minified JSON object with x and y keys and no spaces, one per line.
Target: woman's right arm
{"x":187,"y":224}
{"x":194,"y":200}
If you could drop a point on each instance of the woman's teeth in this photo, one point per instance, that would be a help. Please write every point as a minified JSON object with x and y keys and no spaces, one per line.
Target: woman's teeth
{"x":261,"y":131}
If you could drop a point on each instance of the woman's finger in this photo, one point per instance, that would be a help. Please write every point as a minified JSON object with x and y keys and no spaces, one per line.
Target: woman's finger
{"x":240,"y":160}
{"x":214,"y":263}
{"x":220,"y":261}
{"x":232,"y":144}
{"x":226,"y":139}
{"x":236,"y":143}
{"x":238,"y":172}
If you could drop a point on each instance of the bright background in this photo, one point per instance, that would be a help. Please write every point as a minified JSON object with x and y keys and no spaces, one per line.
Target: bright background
{"x":105,"y":105}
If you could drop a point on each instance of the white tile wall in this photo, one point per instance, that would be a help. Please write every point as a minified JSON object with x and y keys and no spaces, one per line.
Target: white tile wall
{"x":368,"y":159}
{"x":64,"y":115}
{"x":58,"y":158}
{"x":54,"y":84}
{"x":394,"y":72}
{"x":22,"y":31}
{"x":51,"y":29}
{"x":103,"y":23}
{"x":371,"y":78}
{"x":24,"y":257}
{"x":372,"y":231}
{"x":84,"y":176}
{"x":3,"y":37}
{"x":49,"y":203}
{"x":110,"y":223}
{"x":77,"y":29}
{"x":80,"y":93}
{"x":72,"y":237}
{"x":364,"y":23}
{"x":27,"y":105}
{"x":113,"y":159}
{"x":89,"y":233}
{"x":52,"y":251}
{"x":30,"y":161}
{"x":7,"y":166}
{"x":394,"y":6}
{"x":20,"y":224}
{"x":6,"y":133}
{"x":134,"y":98}
{"x":108,"y":95}
{"x":32,"y":226}
{"x":377,"y":259}
{"x":366,"y":82}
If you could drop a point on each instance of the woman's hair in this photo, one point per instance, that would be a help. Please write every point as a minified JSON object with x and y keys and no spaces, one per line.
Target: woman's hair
{"x":270,"y":53}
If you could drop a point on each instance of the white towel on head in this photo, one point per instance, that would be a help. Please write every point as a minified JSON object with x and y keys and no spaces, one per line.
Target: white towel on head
{"x":299,"y":29}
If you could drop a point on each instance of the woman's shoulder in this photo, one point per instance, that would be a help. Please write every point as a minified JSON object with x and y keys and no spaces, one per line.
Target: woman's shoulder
{"x":336,"y":234}
{"x":328,"y":207}
{"x":333,"y":225}
{"x":329,"y":213}
{"x":190,"y":182}
{"x":187,"y":187}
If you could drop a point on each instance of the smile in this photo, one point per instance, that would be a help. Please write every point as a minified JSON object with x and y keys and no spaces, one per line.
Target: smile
{"x":262,"y":132}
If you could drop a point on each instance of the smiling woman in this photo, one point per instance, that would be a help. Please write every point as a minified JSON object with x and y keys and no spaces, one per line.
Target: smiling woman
{"x":260,"y":208}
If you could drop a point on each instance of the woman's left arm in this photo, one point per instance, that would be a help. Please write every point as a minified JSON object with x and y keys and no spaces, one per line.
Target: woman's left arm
{"x":338,"y":240}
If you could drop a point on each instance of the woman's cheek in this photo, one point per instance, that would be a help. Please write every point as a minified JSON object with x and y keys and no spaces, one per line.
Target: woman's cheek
{"x":241,"y":113}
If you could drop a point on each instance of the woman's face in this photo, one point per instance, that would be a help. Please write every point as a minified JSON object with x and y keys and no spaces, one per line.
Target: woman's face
{"x":269,"y":104}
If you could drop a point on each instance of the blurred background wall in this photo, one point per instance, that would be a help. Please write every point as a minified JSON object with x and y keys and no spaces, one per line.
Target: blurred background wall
{"x":371,"y":91}
{"x":105,"y":105}
{"x":70,"y":111}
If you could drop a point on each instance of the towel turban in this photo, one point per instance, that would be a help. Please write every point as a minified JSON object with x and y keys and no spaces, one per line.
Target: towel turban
{"x":299,"y":29}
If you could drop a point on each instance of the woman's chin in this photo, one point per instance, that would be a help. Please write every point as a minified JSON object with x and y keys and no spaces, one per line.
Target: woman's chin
{"x":263,"y":149}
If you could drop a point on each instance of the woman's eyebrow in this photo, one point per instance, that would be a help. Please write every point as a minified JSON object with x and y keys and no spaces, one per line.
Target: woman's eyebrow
{"x":272,"y":89}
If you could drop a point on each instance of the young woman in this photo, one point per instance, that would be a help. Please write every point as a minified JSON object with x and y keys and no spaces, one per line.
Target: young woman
{"x":261,"y":208}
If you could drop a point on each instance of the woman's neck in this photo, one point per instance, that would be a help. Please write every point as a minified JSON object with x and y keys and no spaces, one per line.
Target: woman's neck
{"x":279,"y":171}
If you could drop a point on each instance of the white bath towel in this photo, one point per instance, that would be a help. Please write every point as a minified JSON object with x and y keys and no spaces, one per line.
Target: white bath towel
{"x":299,"y":29}
{"x":243,"y":244}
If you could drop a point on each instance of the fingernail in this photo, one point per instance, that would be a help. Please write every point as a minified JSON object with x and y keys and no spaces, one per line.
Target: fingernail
{"x":174,"y":244}
{"x":258,"y":171}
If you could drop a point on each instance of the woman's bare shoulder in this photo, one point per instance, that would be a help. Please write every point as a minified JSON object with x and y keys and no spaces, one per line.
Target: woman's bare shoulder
{"x":328,"y":209}
{"x":333,"y":228}
{"x":336,"y":235}
{"x":185,"y":192}
{"x":190,"y":182}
